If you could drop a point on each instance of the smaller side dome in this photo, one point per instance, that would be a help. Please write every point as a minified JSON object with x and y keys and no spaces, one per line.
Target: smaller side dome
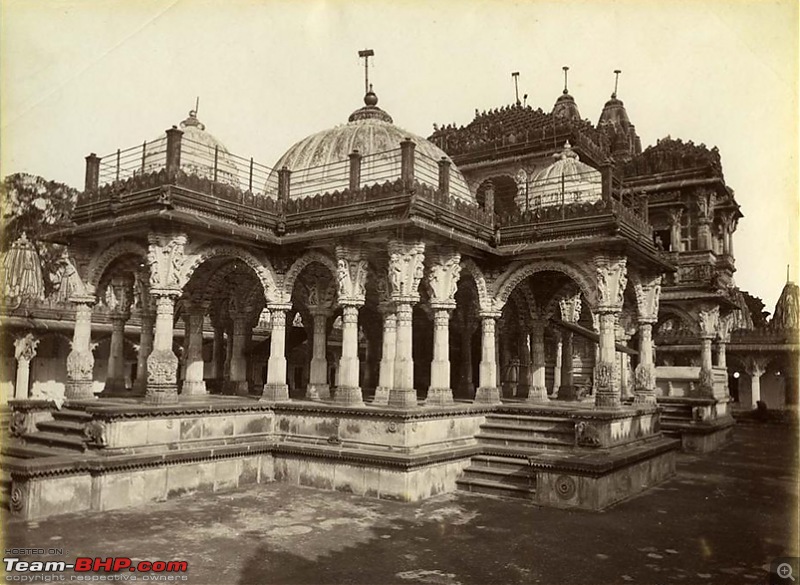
{"x":567,"y":180}
{"x":565,"y":107}
{"x":22,"y":271}
{"x":199,"y":149}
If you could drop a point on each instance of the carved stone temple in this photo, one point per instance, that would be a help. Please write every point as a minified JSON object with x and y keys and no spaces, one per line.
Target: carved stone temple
{"x":530,"y":305}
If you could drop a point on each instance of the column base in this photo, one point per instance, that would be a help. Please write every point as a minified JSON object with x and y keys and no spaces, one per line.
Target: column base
{"x":194,"y":388}
{"x":509,"y":389}
{"x":522,"y":391}
{"x":567,"y":392}
{"x":79,"y":390}
{"x":275,"y":393}
{"x":439,"y":397}
{"x":139,"y":387}
{"x":348,"y":395}
{"x":158,"y":394}
{"x":487,"y":395}
{"x":403,"y":398}
{"x":115,"y":385}
{"x":537,"y":395}
{"x":318,"y":392}
{"x":381,"y":397}
{"x":644,"y":397}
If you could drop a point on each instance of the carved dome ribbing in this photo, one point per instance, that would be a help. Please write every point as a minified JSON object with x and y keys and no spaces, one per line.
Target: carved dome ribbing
{"x":371,"y":131}
{"x":567,"y":176}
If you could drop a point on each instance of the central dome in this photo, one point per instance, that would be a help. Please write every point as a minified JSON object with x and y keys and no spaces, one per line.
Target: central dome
{"x":320,"y":162}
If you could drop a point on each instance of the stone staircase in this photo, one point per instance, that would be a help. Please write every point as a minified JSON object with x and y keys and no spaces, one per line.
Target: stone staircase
{"x":64,"y":433}
{"x":507,"y":440}
{"x":673,"y":415}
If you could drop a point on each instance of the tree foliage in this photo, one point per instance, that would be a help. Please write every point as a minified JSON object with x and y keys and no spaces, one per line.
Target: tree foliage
{"x":32,"y":204}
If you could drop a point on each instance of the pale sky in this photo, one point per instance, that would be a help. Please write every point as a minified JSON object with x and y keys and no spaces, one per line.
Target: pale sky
{"x":86,"y":76}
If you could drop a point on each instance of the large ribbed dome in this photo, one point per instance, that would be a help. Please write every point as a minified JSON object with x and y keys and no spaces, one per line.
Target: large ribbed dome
{"x":320,"y":162}
{"x":567,"y":180}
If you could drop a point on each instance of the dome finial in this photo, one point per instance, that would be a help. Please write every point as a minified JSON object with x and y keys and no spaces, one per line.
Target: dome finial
{"x":515,"y":75}
{"x":565,"y":68}
{"x":616,"y":83}
{"x":366,"y":54}
{"x":370,"y":98}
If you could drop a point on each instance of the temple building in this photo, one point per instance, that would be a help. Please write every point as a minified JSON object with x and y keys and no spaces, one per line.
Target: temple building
{"x":495,"y":309}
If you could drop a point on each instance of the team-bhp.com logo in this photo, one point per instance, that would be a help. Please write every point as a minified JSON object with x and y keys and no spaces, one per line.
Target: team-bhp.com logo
{"x":96,"y":565}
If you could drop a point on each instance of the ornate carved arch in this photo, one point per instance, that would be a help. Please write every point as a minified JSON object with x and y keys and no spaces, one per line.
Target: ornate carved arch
{"x":261,"y":266}
{"x":516,"y":273}
{"x":568,"y":290}
{"x":100,"y":263}
{"x":689,"y":321}
{"x":468,"y":267}
{"x":297,"y":267}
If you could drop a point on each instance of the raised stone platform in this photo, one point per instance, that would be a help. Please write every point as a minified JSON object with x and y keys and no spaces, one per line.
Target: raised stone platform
{"x":113,"y":453}
{"x":702,"y":424}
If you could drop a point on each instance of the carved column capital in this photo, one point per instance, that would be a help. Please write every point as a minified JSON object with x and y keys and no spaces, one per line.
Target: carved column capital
{"x":25,"y":347}
{"x":570,"y":307}
{"x":443,"y":273}
{"x":648,"y":293}
{"x":611,"y":275}
{"x":406,"y":268}
{"x":165,"y":256}
{"x":351,"y":275}
{"x":708,"y":317}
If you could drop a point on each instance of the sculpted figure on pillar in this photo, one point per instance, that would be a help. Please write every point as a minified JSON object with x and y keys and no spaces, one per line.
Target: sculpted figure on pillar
{"x":612,"y":278}
{"x":165,"y":256}
{"x":406,"y":268}
{"x":443,"y":275}
{"x":648,"y":293}
{"x":351,"y":275}
{"x":570,"y":308}
{"x":708,"y":317}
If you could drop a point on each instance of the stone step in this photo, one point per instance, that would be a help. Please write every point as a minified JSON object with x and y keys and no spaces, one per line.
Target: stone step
{"x":71,"y":442}
{"x":525,"y":442}
{"x":524,"y":431}
{"x":520,"y":477}
{"x":23,"y":451}
{"x":495,"y":488}
{"x":527,"y":420}
{"x":72,"y":414}
{"x":65,"y":426}
{"x":498,"y":462}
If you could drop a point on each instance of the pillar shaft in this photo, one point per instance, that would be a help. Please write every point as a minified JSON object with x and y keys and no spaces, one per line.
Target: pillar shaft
{"x":403,"y":393}
{"x":538,"y":391}
{"x":318,"y":387}
{"x":608,"y":391}
{"x":80,"y":361}
{"x":488,"y":391}
{"x":237,"y":378}
{"x":557,"y":366}
{"x":645,"y":375}
{"x":349,"y":391}
{"x":145,"y":347}
{"x":162,"y":363}
{"x":440,"y":392}
{"x":386,"y":374}
{"x":276,"y":389}
{"x":24,"y":352}
{"x":193,"y":383}
{"x":218,"y":351}
{"x":566,"y":390}
{"x":115,"y":377}
{"x":722,"y":360}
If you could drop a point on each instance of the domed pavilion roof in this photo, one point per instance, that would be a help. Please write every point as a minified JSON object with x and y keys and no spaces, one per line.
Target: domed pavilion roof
{"x":198,"y":151}
{"x":320,"y":162}
{"x":567,"y":179}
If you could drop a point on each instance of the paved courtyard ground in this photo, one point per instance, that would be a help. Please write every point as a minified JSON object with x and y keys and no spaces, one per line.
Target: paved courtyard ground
{"x":722,"y":519}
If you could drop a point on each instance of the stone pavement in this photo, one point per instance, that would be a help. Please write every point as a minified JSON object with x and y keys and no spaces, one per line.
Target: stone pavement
{"x":720,"y":520}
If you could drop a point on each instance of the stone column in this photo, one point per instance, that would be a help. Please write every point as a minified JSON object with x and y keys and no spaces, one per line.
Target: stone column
{"x":193,"y":383}
{"x":524,"y":352}
{"x":675,"y":229}
{"x":218,"y":351}
{"x":115,"y":377}
{"x":80,"y":361}
{"x":440,"y":392}
{"x":558,"y":364}
{"x":145,"y":347}
{"x":611,"y":274}
{"x":403,"y":393}
{"x":570,"y":307}
{"x":226,"y":366}
{"x":386,"y":375}
{"x":488,"y":392}
{"x":349,"y":390}
{"x":538,"y":391}
{"x":755,"y":367}
{"x":276,"y":389}
{"x":162,"y":363}
{"x":709,"y":322}
{"x":723,"y":337}
{"x":406,"y":269}
{"x":318,"y":387}
{"x":237,"y":379}
{"x":648,"y":293}
{"x":467,"y":386}
{"x":24,"y":351}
